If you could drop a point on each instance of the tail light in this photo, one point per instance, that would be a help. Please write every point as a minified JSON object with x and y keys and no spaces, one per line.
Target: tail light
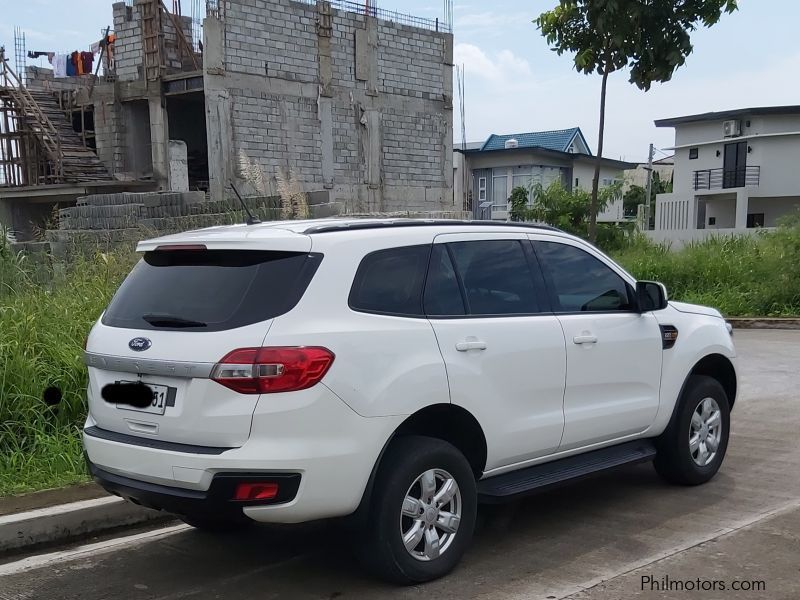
{"x":256,"y":491}
{"x":271,"y":370}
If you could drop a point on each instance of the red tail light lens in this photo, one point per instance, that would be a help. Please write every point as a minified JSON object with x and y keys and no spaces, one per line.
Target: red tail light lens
{"x":256,"y":491}
{"x":271,"y":370}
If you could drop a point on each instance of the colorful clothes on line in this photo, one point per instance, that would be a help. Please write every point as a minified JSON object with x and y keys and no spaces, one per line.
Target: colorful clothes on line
{"x":60,"y":65}
{"x":86,"y":61}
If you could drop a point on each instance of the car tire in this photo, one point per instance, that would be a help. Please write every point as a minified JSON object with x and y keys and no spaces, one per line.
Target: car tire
{"x":693,"y":446}
{"x":432,"y":480}
{"x":216,"y":525}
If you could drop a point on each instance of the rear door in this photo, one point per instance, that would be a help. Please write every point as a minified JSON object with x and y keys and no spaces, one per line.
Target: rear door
{"x":503,"y":349}
{"x":613,"y":352}
{"x":176,"y":315}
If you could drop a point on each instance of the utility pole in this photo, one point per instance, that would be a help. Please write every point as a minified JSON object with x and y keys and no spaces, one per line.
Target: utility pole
{"x":648,"y":208}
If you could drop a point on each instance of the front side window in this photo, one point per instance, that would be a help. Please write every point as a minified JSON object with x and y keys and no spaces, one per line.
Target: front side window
{"x":580,"y":282}
{"x":390,"y":281}
{"x":495,"y":277}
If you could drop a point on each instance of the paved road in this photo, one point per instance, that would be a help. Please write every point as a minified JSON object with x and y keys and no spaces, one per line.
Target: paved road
{"x":596,"y":540}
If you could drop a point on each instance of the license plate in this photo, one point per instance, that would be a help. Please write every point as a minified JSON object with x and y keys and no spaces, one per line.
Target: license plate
{"x":163,"y":396}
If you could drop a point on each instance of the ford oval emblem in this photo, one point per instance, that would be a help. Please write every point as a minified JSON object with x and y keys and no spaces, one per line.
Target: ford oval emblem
{"x":139,"y":344}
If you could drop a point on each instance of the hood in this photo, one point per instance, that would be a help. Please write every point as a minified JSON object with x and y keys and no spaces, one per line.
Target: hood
{"x":695,"y":309}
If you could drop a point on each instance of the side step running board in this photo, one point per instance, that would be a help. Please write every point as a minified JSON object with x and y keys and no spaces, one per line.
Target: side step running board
{"x":549,"y":475}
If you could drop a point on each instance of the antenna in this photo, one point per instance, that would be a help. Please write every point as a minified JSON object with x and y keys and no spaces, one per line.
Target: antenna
{"x":251,"y":220}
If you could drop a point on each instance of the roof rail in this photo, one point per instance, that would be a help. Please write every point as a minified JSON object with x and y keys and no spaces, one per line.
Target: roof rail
{"x":356,"y":225}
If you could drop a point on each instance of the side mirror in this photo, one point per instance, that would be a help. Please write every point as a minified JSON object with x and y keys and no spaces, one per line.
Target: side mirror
{"x":651,"y":296}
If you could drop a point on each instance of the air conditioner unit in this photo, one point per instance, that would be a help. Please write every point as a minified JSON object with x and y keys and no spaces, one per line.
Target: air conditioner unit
{"x":512,"y":143}
{"x":731,"y":128}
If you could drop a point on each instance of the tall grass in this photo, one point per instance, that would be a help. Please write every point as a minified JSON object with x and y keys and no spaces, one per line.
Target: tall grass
{"x":756,"y":275}
{"x":46,"y":312}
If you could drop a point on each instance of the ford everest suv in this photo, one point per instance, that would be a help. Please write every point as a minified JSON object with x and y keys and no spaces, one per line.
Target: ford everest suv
{"x":397,"y":371}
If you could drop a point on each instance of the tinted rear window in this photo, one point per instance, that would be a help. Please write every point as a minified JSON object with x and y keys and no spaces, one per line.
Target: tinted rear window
{"x":211,"y":290}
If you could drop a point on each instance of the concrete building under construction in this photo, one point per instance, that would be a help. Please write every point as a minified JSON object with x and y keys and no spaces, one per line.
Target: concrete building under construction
{"x":352,"y":103}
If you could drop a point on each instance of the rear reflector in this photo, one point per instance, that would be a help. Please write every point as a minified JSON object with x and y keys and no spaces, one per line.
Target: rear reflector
{"x":272,"y":370}
{"x":256,"y":491}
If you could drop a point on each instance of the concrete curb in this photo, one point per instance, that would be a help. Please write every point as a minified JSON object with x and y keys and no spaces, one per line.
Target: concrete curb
{"x":764,"y":323}
{"x":67,"y":522}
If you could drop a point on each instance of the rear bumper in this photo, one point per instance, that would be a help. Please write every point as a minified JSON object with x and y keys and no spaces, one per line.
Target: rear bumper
{"x":314,"y":436}
{"x":217,"y":500}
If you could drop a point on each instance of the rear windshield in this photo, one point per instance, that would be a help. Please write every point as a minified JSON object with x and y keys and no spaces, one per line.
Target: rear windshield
{"x":210,"y":290}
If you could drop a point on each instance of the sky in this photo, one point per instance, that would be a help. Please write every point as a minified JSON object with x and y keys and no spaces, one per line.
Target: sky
{"x":515,"y":83}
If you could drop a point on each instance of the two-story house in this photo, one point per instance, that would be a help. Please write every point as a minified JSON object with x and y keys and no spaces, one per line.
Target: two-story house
{"x":486,"y":173}
{"x":734,"y":171}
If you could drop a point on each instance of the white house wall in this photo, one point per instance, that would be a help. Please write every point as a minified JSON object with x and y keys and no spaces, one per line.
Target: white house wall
{"x":773,"y":208}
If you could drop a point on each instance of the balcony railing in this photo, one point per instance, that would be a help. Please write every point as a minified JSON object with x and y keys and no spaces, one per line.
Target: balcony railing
{"x":715,"y":179}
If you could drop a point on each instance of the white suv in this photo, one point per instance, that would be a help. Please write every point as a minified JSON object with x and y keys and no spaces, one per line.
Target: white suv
{"x":397,"y":371}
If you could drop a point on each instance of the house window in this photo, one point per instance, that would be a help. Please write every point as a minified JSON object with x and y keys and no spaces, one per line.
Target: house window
{"x":577,"y":182}
{"x":500,"y":192}
{"x":712,"y":220}
{"x":482,"y":189}
{"x":755,"y":220}
{"x":693,"y":153}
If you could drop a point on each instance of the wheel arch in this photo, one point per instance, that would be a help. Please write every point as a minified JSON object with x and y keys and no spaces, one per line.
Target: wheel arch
{"x":719,"y":367}
{"x":453,"y":424}
{"x":448,"y":422}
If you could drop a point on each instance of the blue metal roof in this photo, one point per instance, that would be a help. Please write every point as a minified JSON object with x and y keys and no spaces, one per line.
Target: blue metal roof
{"x":559,"y":140}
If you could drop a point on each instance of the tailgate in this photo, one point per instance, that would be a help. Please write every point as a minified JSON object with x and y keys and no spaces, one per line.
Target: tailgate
{"x":177,"y":314}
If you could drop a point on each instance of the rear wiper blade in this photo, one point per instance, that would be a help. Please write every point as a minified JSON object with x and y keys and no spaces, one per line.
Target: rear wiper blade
{"x":171,"y":321}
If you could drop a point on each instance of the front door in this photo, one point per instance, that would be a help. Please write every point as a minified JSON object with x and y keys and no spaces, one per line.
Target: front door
{"x":503,"y":349}
{"x":734,"y":165}
{"x":613,"y":352}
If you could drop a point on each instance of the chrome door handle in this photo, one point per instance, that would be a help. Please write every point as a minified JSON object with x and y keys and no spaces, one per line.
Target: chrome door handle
{"x":585,"y":339}
{"x":471,"y":344}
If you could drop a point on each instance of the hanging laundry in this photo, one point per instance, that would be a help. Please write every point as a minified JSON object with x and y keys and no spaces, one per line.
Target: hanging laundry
{"x":76,"y":60}
{"x":60,"y":65}
{"x":71,"y":68}
{"x":87,"y":59}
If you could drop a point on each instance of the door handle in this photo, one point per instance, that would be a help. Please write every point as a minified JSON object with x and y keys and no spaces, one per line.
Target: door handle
{"x":585,"y":339}
{"x":470,"y":344}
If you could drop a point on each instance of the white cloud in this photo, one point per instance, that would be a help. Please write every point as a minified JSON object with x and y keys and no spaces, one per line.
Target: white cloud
{"x":502,"y":67}
{"x":497,"y":21}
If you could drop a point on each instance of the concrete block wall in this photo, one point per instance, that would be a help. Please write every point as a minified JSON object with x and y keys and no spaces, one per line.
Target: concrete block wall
{"x":272,"y":38}
{"x":279,"y":133}
{"x":410,"y":61}
{"x":176,"y":58}
{"x":284,"y":89}
{"x":128,"y":49}
{"x":109,"y":132}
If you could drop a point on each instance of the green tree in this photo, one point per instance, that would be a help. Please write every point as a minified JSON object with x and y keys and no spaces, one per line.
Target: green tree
{"x":519,"y":203}
{"x":637,"y":195}
{"x":565,"y":209}
{"x":650,"y":38}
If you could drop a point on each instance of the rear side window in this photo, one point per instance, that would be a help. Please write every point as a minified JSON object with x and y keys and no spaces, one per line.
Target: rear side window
{"x":210,"y":290}
{"x":495,"y":277}
{"x":580,"y":282}
{"x":390,"y":281}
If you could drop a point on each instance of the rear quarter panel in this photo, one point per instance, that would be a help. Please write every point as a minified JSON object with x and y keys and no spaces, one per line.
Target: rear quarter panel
{"x":384,"y":365}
